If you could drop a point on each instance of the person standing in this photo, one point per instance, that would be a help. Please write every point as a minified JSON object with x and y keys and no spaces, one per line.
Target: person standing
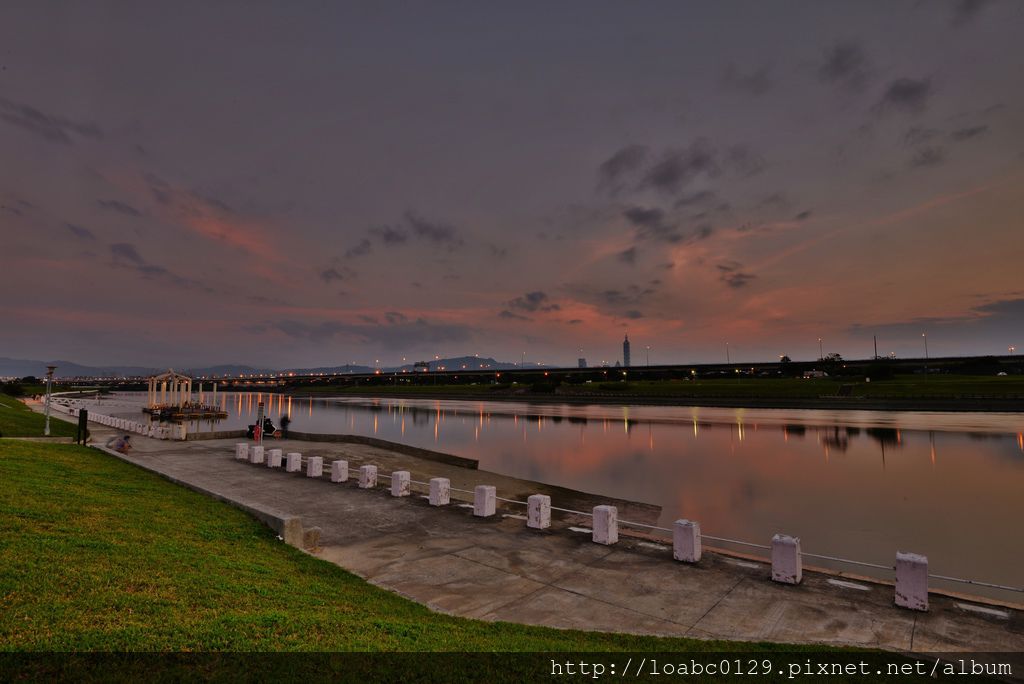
{"x":285,"y":422}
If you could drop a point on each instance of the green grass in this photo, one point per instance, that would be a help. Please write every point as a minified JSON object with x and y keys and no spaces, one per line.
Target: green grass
{"x":18,"y":420}
{"x":100,"y":555}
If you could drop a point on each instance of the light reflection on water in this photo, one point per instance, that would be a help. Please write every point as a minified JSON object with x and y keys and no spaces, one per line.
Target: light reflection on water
{"x":854,"y":484}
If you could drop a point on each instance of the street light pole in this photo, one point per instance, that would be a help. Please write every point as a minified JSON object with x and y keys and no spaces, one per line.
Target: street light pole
{"x":49,"y":392}
{"x":925,"y":336}
{"x":821,"y":354}
{"x":648,"y":355}
{"x":728,"y":361}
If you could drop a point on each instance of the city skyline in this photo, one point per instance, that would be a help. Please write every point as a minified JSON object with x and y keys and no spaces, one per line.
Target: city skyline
{"x":732,"y":180}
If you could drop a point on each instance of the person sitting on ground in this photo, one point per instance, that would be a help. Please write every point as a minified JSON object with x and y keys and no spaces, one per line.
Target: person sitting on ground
{"x":120,"y":443}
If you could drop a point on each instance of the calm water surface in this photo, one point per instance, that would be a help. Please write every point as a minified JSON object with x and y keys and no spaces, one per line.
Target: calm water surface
{"x":855,"y":484}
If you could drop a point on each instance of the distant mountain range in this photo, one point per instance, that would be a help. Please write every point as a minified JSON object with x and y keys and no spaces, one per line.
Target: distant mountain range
{"x":69,"y":369}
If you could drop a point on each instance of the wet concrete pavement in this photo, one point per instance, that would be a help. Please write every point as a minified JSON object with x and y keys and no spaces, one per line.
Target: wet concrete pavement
{"x":498,"y":569}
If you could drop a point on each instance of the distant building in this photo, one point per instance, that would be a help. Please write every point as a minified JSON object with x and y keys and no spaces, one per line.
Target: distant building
{"x":625,"y":352}
{"x":582,"y":362}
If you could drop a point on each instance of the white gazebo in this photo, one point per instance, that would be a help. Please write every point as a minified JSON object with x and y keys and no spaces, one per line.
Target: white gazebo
{"x":169,"y":389}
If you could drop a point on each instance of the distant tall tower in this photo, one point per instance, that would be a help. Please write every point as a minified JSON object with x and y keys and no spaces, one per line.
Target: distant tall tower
{"x":625,"y":351}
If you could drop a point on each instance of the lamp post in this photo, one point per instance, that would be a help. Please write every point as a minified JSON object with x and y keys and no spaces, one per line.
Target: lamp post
{"x":648,"y":355}
{"x":1012,"y":349}
{"x":925,"y":336}
{"x":821,"y":354}
{"x":728,"y":361}
{"x":49,"y":392}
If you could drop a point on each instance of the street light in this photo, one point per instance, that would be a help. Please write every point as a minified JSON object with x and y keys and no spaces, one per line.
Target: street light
{"x":925,"y":336}
{"x":49,"y":391}
{"x":821,"y":354}
{"x":648,"y":355}
{"x":727,"y":359}
{"x":1012,"y":349}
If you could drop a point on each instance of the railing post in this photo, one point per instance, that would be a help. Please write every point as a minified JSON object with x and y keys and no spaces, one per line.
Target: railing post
{"x":400,"y":485}
{"x":606,"y":525}
{"x":686,"y":545}
{"x":911,"y":581}
{"x":367,"y":476}
{"x":440,"y":491}
{"x":484,"y":501}
{"x":314,"y":466}
{"x":538,"y":511}
{"x":339,"y":471}
{"x":787,"y":564}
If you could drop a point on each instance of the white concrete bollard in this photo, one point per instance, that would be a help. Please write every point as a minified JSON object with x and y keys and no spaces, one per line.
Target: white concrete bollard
{"x":484,"y":501}
{"x":367,"y":476}
{"x":242,"y":452}
{"x":273,"y":458}
{"x":339,"y":471}
{"x":787,"y":564}
{"x":606,"y":525}
{"x":256,"y":454}
{"x":686,"y":545}
{"x":440,"y":491}
{"x":538,"y":511}
{"x":293,"y":464}
{"x":314,"y":466}
{"x":911,"y":581}
{"x":180,"y":431}
{"x":400,"y":483}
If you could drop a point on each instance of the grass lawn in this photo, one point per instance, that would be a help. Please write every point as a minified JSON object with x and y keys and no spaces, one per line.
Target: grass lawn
{"x":18,"y":420}
{"x":100,"y":555}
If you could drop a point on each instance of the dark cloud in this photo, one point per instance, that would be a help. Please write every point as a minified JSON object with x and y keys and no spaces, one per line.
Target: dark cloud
{"x":632,"y":313}
{"x":80,"y":232}
{"x":614,"y":170}
{"x":907,"y":95}
{"x":802,"y":216}
{"x":118,"y":207}
{"x":433,"y":231}
{"x":744,"y":160}
{"x":126,"y":255}
{"x":757,"y":82}
{"x":962,"y":134}
{"x":697,"y":198}
{"x":845,"y":64}
{"x":505,"y":313}
{"x":395,"y":317}
{"x":675,"y":169}
{"x":919,"y":135}
{"x":362,"y":248}
{"x":532,"y":302}
{"x":776,"y":200}
{"x":965,"y":11}
{"x":48,"y":127}
{"x":731,"y":275}
{"x":929,"y":156}
{"x":329,"y":275}
{"x":401,"y":336}
{"x":651,"y":224}
{"x":389,"y":235}
{"x":627,"y":256}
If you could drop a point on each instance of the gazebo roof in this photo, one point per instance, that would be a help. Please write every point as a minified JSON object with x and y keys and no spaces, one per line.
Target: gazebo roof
{"x":170,"y":376}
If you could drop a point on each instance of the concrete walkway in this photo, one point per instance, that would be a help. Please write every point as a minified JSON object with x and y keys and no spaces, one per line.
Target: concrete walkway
{"x":498,"y":569}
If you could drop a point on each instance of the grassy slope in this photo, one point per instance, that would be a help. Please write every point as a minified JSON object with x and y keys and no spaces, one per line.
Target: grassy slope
{"x":100,"y":555}
{"x":18,"y":420}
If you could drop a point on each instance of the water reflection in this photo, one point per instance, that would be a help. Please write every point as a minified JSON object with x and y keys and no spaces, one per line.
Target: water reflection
{"x":853,"y":484}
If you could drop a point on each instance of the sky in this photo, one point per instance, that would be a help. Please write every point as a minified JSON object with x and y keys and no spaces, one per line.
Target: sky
{"x":306,"y":184}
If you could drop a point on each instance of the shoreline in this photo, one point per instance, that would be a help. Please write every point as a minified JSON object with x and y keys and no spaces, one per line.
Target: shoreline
{"x":989,"y":405}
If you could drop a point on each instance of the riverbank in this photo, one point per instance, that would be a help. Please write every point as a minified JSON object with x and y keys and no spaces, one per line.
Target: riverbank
{"x":941,"y":404}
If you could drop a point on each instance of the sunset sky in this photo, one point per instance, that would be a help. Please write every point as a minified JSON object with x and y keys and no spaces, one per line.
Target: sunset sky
{"x":298,"y":184}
